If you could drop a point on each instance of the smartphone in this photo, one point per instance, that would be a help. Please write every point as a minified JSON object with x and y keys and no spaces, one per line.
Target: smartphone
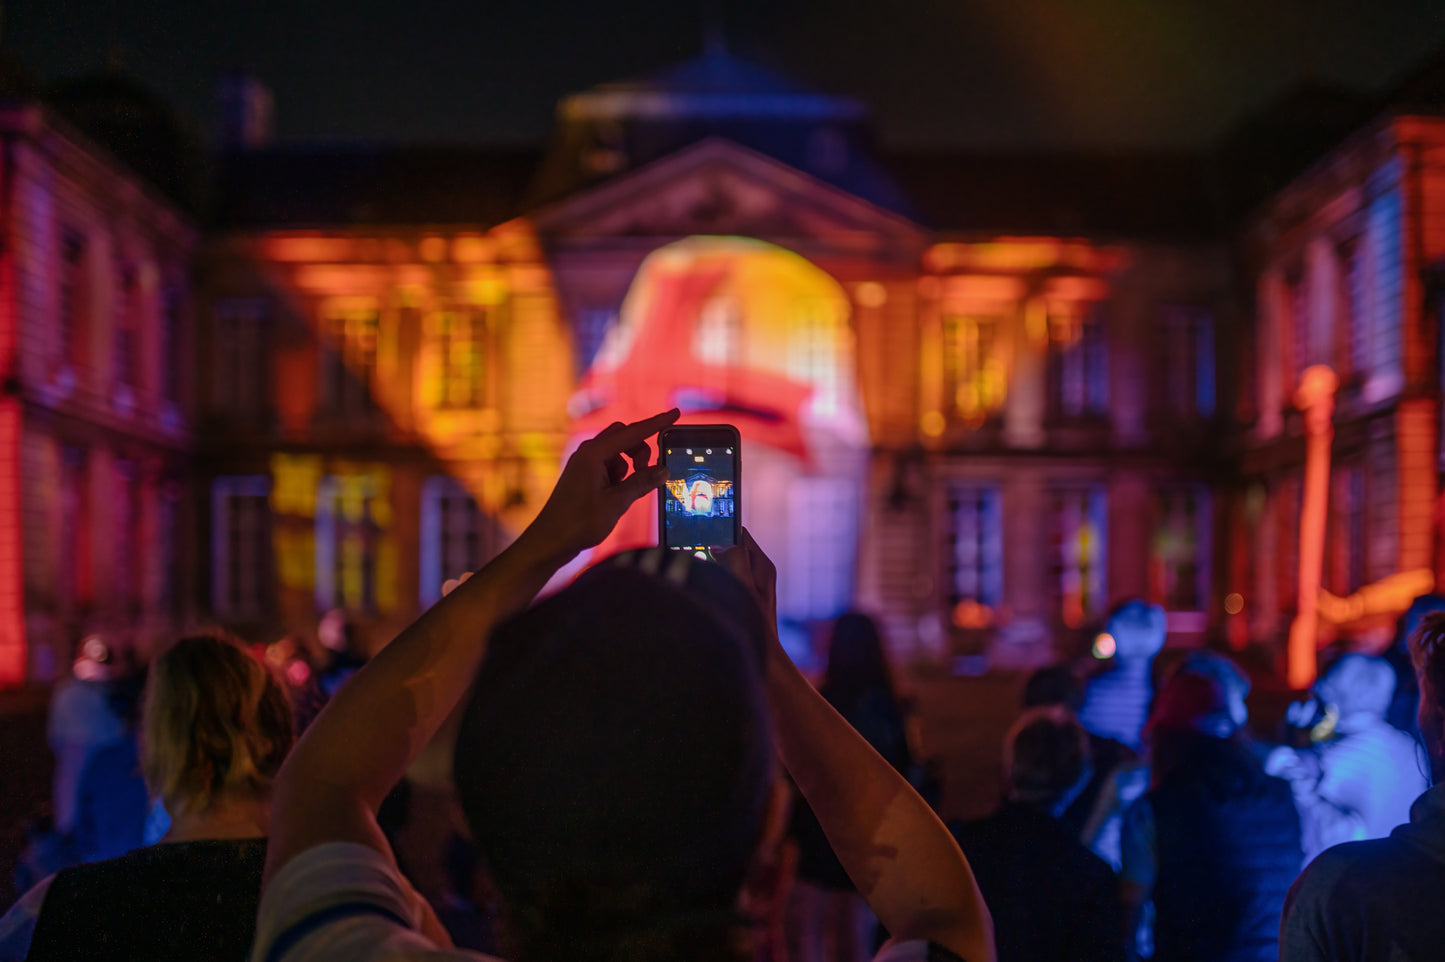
{"x":701,"y":504}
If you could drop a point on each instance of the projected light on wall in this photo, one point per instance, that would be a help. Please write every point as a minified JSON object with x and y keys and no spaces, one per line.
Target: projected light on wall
{"x":744,"y":332}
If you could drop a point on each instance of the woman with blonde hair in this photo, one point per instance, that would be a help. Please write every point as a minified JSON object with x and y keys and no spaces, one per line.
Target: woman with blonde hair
{"x":216,"y":726}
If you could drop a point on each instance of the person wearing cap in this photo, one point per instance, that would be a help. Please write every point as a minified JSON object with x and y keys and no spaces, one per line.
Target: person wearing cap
{"x":616,"y":761}
{"x":1361,"y":779}
{"x":1215,"y":842}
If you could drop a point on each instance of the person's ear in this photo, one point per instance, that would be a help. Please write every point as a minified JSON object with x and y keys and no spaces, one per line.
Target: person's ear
{"x":765,"y":892}
{"x":769,"y":875}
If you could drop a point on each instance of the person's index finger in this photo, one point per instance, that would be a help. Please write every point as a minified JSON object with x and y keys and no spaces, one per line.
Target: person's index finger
{"x":636,"y":433}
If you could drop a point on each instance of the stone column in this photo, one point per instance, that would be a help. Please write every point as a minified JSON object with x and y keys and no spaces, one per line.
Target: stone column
{"x":1028,"y":383}
{"x":1316,"y":398}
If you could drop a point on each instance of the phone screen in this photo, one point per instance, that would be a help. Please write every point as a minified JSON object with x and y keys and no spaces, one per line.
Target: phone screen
{"x":701,"y":498}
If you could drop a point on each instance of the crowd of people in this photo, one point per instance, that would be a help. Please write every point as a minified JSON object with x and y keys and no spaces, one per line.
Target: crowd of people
{"x":646,"y":775}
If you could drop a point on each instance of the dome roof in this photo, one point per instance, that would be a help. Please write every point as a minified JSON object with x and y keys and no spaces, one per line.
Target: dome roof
{"x":715,"y":84}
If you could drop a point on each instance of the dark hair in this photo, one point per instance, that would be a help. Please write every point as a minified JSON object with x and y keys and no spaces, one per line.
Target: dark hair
{"x":1427,"y":652}
{"x":1046,"y":753}
{"x":1054,"y":685}
{"x":857,"y":664}
{"x":604,"y":920}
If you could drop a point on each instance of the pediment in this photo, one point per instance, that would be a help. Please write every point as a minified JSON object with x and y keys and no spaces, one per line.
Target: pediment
{"x":720,"y":187}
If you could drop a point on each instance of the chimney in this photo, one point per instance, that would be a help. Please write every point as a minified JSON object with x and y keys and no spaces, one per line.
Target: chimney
{"x":247,"y":109}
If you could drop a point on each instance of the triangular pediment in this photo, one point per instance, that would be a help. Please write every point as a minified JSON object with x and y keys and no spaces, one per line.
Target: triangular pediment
{"x":719,"y":187}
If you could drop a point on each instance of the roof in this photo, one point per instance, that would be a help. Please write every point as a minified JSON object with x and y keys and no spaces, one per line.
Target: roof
{"x":1157,"y":196}
{"x":715,"y":84}
{"x":311,"y":187}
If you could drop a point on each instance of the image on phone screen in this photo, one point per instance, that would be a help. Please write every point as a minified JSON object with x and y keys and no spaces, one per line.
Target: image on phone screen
{"x":700,"y":501}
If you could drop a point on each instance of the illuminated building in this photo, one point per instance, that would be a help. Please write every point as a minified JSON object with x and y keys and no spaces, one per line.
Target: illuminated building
{"x":1346,"y":263}
{"x":983,"y":396}
{"x":985,"y":421}
{"x":95,"y":431}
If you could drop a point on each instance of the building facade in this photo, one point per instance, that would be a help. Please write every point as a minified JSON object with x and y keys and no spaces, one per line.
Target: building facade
{"x":95,"y":429}
{"x":985,"y":398}
{"x":986,"y":435}
{"x":1346,"y":266}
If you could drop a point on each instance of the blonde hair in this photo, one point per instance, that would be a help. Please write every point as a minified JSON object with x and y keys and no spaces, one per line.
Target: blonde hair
{"x":216,"y":722}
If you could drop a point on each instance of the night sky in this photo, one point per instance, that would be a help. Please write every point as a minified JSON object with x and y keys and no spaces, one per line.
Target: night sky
{"x":1065,"y":73}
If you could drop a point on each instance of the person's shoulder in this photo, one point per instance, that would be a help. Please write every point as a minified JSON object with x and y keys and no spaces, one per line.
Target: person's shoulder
{"x":341,"y":900}
{"x":916,"y":952}
{"x":1342,"y":865}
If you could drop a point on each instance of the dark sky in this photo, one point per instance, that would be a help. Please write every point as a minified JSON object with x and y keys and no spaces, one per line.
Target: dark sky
{"x":936,"y":72}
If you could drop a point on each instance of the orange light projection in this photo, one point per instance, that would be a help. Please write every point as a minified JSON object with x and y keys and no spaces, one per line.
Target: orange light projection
{"x":1316,"y":398}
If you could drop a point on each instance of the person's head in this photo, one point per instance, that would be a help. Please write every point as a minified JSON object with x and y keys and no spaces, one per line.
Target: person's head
{"x":336,"y":633}
{"x":1054,"y":685}
{"x":1138,"y":629}
{"x":1357,"y":685}
{"x":1191,"y":701}
{"x":615,"y":763}
{"x":1427,"y":650}
{"x":215,"y":725}
{"x":1419,"y":608}
{"x":1191,"y":729}
{"x":857,"y":663}
{"x":1232,"y":682}
{"x":1046,"y":758}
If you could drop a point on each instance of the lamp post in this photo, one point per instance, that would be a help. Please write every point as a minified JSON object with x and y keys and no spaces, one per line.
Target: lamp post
{"x":1316,"y":399}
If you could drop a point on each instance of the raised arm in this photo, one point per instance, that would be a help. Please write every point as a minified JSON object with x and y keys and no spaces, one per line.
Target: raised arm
{"x":899,"y":855}
{"x":359,"y":747}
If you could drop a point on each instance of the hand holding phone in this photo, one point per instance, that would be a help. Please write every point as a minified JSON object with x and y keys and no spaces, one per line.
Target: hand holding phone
{"x":701,"y":504}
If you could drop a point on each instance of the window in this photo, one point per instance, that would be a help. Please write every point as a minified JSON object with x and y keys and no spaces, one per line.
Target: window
{"x":241,"y":561}
{"x":168,"y":348}
{"x":815,"y":352}
{"x":822,"y":539}
{"x":128,"y":545}
{"x":1077,"y":362}
{"x":348,"y":360}
{"x":125,"y":353}
{"x":1347,"y":540}
{"x":1297,"y":334}
{"x":974,"y":558}
{"x":1180,"y":549}
{"x":456,"y":535}
{"x":973,"y":374}
{"x":73,"y":570}
{"x":1354,"y":304}
{"x":167,"y":539}
{"x":240,"y":359}
{"x":347,"y":537}
{"x":73,"y":341}
{"x":1286,"y":505}
{"x":1078,"y":536}
{"x":1188,"y":334}
{"x":462,"y":340}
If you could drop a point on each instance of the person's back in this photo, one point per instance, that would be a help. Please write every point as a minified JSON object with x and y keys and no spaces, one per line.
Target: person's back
{"x":1376,"y":900}
{"x":181,"y":901}
{"x":112,"y":804}
{"x":1050,"y":897}
{"x":1228,"y":846}
{"x":1379,"y":900}
{"x":216,"y":727}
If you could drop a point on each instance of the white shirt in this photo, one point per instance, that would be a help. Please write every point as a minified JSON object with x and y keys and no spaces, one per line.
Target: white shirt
{"x":343,"y":902}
